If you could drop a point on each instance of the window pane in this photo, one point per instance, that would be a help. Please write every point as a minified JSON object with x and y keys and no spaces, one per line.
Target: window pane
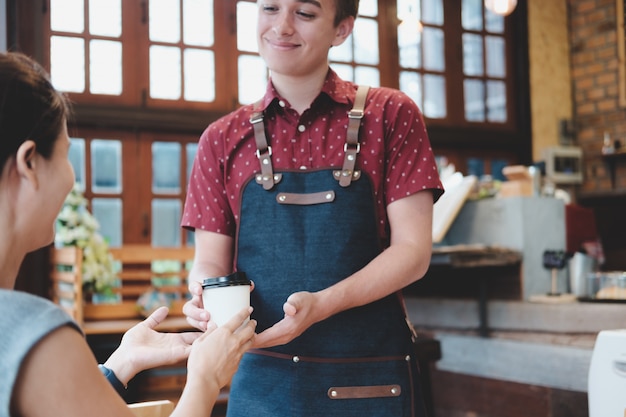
{"x":410,"y":43}
{"x":67,"y":63}
{"x":472,"y":54}
{"x":67,"y":16}
{"x":343,"y":52}
{"x":77,"y":158}
{"x":496,"y":61}
{"x":345,"y":72}
{"x":198,"y":22}
{"x":166,"y":222}
{"x":199,"y":75}
{"x":433,"y":49}
{"x":105,"y":17}
{"x":108,"y":212}
{"x":411,"y":85}
{"x":165,"y":72}
{"x":432,"y":11}
{"x":409,"y":10}
{"x":165,"y":21}
{"x":246,"y":26}
{"x":166,"y":167}
{"x":368,"y":8}
{"x":105,"y":67}
{"x":366,"y":41}
{"x":494,"y":23}
{"x":472,"y":14}
{"x":252,"y":78}
{"x":497,"y":165}
{"x":434,"y":96}
{"x":496,"y":101}
{"x":190,"y":150}
{"x":474,"y":93}
{"x":476,"y":166}
{"x":367,"y":76}
{"x":106,"y":166}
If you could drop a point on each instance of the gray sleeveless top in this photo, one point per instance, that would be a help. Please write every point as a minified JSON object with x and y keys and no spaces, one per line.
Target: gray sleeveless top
{"x":24,"y":320}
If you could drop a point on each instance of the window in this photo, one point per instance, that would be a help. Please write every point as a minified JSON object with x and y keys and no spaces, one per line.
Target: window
{"x":136,"y":184}
{"x":147,"y":76}
{"x":358,"y":58}
{"x":454,"y":58}
{"x":86,"y":46}
{"x":472,"y":86}
{"x":484,"y":64}
{"x":159,"y":53}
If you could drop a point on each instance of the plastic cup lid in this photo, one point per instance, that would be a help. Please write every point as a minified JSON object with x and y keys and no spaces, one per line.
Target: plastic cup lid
{"x":236,"y":278}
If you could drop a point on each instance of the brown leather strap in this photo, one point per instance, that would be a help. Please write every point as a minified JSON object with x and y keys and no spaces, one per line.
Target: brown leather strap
{"x":310,"y":359}
{"x":263,"y":150}
{"x":306,"y":199}
{"x":352,"y":146}
{"x":371,"y":391}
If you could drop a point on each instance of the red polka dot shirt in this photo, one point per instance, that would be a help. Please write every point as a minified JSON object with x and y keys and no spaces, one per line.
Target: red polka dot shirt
{"x":395,"y":151}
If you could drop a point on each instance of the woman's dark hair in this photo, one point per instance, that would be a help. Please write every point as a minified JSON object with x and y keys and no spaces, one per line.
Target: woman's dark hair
{"x":345,"y":8}
{"x":30,"y":107}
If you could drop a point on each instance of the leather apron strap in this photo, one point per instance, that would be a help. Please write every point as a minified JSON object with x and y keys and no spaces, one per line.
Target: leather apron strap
{"x":263,"y":152}
{"x":352,"y":146}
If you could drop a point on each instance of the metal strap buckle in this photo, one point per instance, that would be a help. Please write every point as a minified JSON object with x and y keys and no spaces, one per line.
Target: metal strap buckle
{"x":356,"y":114}
{"x":256,"y":117}
{"x":267,"y":152}
{"x":356,"y":146}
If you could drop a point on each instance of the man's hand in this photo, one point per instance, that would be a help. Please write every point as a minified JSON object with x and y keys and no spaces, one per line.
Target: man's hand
{"x":300,"y":310}
{"x":197,"y":316}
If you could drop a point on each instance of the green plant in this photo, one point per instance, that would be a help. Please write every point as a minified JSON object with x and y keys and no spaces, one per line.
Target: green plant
{"x":76,"y":226}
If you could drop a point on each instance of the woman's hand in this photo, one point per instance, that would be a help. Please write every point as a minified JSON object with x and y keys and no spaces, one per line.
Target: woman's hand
{"x":216,"y":354}
{"x":143,"y":348}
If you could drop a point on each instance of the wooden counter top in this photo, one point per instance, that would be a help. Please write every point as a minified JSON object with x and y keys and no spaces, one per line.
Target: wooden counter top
{"x":473,"y":256}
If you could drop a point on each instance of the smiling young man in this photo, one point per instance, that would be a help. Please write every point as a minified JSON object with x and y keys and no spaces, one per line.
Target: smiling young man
{"x":322,"y":192}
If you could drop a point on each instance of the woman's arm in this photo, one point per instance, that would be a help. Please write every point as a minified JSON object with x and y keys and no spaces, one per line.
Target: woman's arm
{"x":59,"y":377}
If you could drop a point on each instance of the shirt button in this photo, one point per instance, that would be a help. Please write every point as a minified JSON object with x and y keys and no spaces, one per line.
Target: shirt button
{"x":281,"y":103}
{"x":301,"y":128}
{"x":302,"y":167}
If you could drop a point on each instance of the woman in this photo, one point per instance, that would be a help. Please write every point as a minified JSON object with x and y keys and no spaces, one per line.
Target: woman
{"x":47,"y":368}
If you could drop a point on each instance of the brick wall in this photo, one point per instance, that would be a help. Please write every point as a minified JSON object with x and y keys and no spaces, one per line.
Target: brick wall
{"x":595,"y":77}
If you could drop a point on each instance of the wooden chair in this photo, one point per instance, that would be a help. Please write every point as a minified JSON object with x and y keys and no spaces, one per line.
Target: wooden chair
{"x":161,"y":408}
{"x":66,"y":284}
{"x":139,"y":272}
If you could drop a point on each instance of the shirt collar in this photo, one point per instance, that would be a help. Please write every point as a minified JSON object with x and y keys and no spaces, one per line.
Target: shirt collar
{"x":335,"y":88}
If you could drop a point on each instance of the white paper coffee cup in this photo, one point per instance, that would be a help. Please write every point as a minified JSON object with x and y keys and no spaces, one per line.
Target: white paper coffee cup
{"x":223,"y":297}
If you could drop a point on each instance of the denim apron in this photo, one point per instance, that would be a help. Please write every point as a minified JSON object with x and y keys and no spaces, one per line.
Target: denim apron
{"x":305,"y":231}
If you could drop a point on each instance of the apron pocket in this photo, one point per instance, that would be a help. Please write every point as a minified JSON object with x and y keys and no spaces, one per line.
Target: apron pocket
{"x":355,"y":388}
